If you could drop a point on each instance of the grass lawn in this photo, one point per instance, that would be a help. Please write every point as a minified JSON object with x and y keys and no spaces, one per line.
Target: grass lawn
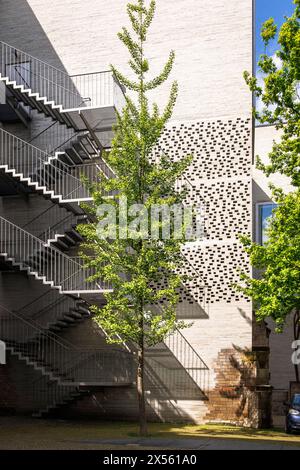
{"x":22,"y":433}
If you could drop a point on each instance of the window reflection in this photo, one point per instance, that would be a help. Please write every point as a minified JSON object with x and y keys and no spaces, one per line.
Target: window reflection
{"x":265,"y":213}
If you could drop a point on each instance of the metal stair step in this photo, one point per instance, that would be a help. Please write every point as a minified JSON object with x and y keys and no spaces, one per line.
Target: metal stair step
{"x":60,"y":243}
{"x":69,"y":319}
{"x":76,"y":314}
{"x":61,"y":323}
{"x":84,"y":311}
{"x":74,"y":235}
{"x":75,"y":157}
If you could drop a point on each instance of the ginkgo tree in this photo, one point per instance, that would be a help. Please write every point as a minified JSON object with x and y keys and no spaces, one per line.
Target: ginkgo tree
{"x":142,"y":266}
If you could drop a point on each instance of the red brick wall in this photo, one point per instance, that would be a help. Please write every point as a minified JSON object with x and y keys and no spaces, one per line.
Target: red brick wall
{"x":236,"y":398}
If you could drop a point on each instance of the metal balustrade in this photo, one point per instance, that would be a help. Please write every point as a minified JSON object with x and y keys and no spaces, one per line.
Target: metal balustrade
{"x":50,"y":308}
{"x":32,"y":166}
{"x":40,"y":77}
{"x":47,"y":263}
{"x":97,"y":89}
{"x":55,"y":138}
{"x":100,"y":89}
{"x":60,"y":360}
{"x":92,"y":170}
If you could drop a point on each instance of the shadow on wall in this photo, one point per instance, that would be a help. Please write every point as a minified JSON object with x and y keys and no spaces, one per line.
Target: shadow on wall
{"x":191,"y":306}
{"x":245,"y":316}
{"x":19,"y":27}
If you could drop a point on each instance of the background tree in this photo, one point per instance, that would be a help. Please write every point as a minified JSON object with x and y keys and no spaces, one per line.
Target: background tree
{"x":136,"y":266}
{"x":276,"y":293}
{"x":280,"y":95}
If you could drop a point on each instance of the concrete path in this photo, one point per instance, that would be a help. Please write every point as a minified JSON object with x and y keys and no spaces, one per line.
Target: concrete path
{"x":191,"y":444}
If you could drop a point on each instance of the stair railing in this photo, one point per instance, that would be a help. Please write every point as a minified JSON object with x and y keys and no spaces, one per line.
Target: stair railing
{"x":100,"y":89}
{"x":91,"y":170}
{"x":48,"y":309}
{"x":56,"y":268}
{"x":92,"y":89}
{"x":60,"y":360}
{"x":31,"y":165}
{"x":40,"y":77}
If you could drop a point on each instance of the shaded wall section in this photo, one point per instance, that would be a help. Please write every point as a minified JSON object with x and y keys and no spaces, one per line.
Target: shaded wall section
{"x":80,"y":36}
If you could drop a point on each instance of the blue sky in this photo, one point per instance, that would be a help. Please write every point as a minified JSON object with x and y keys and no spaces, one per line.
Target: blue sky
{"x":266,"y":9}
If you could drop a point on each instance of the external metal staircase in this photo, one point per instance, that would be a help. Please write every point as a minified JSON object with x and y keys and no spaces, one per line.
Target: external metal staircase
{"x":54,"y":312}
{"x":33,"y":167}
{"x":48,"y":264}
{"x":80,"y":101}
{"x":83,"y":109}
{"x":64,"y":370}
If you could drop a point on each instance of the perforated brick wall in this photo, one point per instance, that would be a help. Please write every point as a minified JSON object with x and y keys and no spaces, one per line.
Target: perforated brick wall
{"x":218,"y":179}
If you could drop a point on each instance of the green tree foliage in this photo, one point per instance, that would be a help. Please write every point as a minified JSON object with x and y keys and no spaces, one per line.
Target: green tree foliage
{"x":276,"y":290}
{"x":280,"y":94}
{"x":143,"y":271}
{"x":276,"y":294}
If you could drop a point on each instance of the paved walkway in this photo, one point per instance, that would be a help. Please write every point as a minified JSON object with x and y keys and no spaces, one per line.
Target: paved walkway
{"x":191,"y":444}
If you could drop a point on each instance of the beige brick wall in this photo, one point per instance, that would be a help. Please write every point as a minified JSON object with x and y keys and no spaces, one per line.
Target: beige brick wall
{"x":80,"y":35}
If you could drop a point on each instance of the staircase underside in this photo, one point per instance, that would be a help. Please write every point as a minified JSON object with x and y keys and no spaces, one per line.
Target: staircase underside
{"x":81,"y":119}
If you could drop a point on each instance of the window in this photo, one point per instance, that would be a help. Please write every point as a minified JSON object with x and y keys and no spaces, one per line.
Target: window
{"x":264,"y":214}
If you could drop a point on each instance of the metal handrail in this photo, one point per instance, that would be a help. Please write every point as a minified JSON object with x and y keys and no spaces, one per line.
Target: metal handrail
{"x":91,"y":170}
{"x":55,"y":267}
{"x":32,"y":57}
{"x":70,"y":92}
{"x":32,"y":165}
{"x":89,"y":73}
{"x":45,"y":311}
{"x":55,"y":357}
{"x":47,"y":80}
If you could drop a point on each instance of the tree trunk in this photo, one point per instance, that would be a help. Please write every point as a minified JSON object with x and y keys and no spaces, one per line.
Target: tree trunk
{"x":296,"y":337}
{"x":141,"y":392}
